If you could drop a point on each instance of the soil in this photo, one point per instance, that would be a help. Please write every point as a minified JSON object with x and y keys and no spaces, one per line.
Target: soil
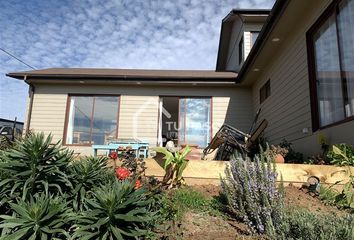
{"x":201,"y":226}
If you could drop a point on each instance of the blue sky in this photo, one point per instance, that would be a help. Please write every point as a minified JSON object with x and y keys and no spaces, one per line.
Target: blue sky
{"x":156,"y":34}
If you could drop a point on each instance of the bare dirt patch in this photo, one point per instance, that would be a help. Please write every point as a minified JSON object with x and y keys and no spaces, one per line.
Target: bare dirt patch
{"x":294,"y":197}
{"x":202,"y":226}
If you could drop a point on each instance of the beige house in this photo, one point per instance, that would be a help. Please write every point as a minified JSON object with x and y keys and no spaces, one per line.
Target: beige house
{"x":299,"y":71}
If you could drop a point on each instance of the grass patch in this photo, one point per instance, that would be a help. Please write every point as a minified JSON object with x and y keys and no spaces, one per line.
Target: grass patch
{"x":186,"y":199}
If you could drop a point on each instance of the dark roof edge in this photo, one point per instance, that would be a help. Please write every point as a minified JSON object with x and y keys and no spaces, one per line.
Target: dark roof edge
{"x":274,"y":14}
{"x":251,"y":11}
{"x":10,"y":121}
{"x":118,"y":78}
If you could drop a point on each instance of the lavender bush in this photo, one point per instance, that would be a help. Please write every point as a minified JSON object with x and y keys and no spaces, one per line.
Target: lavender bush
{"x":251,"y":192}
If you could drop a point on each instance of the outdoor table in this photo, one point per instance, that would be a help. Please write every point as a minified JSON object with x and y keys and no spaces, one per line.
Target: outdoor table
{"x":134,"y":144}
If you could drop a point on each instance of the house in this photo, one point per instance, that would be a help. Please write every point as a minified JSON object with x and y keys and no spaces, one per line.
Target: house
{"x":299,"y":71}
{"x":83,"y":107}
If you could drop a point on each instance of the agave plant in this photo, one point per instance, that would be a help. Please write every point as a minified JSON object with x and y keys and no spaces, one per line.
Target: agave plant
{"x":42,"y":217}
{"x":116,"y":211}
{"x":34,"y":165}
{"x":87,"y":173}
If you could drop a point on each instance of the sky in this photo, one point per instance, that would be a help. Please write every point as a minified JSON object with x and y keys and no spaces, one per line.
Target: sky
{"x":140,"y":34}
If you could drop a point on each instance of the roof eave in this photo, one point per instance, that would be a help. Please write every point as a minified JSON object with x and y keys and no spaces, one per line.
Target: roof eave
{"x":274,"y":15}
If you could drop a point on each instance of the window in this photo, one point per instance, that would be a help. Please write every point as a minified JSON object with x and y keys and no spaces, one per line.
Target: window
{"x":240,"y":51}
{"x":195,"y":121}
{"x":91,"y":119}
{"x":331,"y":65}
{"x":264,"y":92}
{"x":254,"y":36}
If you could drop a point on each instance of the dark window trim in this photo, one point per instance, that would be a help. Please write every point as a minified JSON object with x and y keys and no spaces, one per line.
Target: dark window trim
{"x":333,"y":8}
{"x":67,"y":111}
{"x":241,"y":52}
{"x":263,"y":91}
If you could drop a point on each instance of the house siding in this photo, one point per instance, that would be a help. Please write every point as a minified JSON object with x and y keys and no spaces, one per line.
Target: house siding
{"x":138,"y":107}
{"x":288,"y":109}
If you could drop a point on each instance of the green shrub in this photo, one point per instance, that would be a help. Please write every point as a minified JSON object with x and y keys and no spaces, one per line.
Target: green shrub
{"x":301,"y":224}
{"x":35,"y":165}
{"x":174,"y":165}
{"x":292,"y":156}
{"x":251,"y":192}
{"x":116,"y":211}
{"x":342,"y":199}
{"x":87,"y":173}
{"x":42,"y":217}
{"x":341,"y":154}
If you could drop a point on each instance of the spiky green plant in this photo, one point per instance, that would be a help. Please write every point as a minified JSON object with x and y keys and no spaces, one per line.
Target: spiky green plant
{"x":41,"y":217}
{"x":87,"y":173}
{"x":116,"y":211}
{"x":35,"y":165}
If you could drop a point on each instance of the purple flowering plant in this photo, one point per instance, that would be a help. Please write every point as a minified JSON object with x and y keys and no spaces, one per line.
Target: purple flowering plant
{"x":251,"y":191}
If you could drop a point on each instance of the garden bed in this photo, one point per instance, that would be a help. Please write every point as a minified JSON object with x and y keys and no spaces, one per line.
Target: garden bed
{"x":201,"y":224}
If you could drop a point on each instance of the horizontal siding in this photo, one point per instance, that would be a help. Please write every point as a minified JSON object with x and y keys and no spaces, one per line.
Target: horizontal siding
{"x":247,"y":43}
{"x":138,"y":115}
{"x":288,"y":109}
{"x":48,"y":114}
{"x":138,"y":118}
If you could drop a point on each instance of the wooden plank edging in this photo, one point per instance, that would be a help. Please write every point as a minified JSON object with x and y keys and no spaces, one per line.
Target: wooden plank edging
{"x":210,"y":172}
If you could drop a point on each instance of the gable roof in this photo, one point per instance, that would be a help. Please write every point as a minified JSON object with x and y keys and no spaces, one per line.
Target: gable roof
{"x":123,"y":74}
{"x":274,"y":15}
{"x":226,"y":31}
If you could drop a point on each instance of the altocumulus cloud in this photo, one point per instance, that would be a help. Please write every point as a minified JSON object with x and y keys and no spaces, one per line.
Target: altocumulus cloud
{"x":155,"y":34}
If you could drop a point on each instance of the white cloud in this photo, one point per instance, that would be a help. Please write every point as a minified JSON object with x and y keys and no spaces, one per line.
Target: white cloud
{"x":155,"y":34}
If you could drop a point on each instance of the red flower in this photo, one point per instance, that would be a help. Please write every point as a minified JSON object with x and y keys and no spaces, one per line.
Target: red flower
{"x":137,"y":184}
{"x":113,"y":155}
{"x":122,"y":173}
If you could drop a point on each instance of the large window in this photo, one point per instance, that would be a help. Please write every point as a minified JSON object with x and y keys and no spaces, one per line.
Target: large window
{"x":331,"y":55}
{"x":92,"y":119}
{"x":195,"y":121}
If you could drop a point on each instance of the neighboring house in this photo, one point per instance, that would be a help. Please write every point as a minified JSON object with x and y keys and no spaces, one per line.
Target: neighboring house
{"x":299,"y":71}
{"x":10,"y":123}
{"x":7,"y":126}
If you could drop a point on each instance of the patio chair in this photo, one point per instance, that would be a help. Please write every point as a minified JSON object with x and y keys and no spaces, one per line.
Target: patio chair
{"x":228,"y":139}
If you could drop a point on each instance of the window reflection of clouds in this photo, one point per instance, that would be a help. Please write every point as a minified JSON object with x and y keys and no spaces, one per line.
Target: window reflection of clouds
{"x":196,"y":114}
{"x":83,"y":129}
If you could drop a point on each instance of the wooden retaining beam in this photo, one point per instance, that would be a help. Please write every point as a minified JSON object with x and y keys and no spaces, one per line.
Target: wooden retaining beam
{"x":200,"y":172}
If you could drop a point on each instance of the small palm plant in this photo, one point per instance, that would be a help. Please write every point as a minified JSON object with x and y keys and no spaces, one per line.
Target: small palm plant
{"x":116,"y":211}
{"x":174,"y":165}
{"x":42,"y":217}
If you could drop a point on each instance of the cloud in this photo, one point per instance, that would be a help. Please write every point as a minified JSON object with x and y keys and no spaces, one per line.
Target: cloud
{"x":155,"y":34}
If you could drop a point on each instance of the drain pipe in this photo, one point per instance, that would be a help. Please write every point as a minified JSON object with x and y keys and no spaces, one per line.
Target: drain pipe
{"x":31,"y":91}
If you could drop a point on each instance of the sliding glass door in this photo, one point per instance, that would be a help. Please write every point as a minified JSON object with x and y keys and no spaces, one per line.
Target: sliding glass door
{"x":194,"y":121}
